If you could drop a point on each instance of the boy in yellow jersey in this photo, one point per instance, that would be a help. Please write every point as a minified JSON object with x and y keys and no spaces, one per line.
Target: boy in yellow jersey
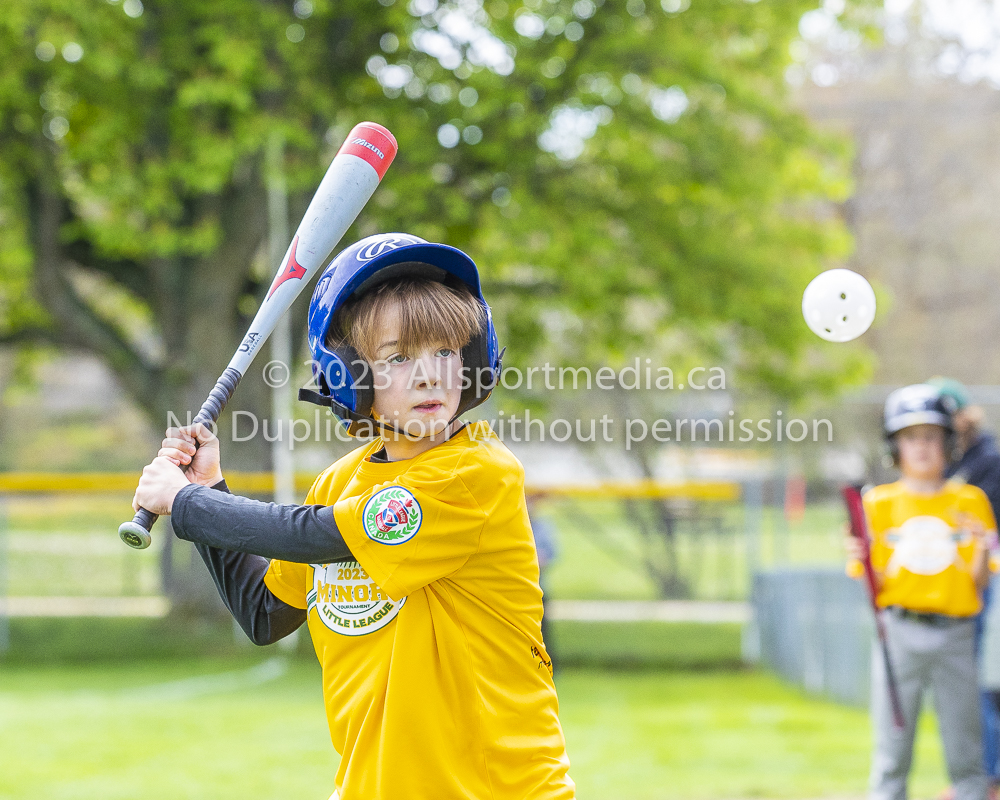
{"x":930,"y":550}
{"x":412,"y":560}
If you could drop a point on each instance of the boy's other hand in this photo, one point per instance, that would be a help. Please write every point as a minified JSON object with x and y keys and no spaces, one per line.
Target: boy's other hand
{"x":855,"y":550}
{"x":195,"y":449}
{"x":976,"y":529}
{"x":852,"y":545}
{"x":187,"y":455}
{"x":161,"y":480}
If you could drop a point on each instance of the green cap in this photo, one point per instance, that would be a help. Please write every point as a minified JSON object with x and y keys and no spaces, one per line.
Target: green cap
{"x":953,"y":389}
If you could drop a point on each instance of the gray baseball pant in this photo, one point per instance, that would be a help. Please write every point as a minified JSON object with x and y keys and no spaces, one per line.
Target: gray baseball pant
{"x":939,"y":656}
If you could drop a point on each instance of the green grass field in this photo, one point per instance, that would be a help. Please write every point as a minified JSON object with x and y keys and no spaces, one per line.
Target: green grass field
{"x":139,"y":709}
{"x":719,"y":734}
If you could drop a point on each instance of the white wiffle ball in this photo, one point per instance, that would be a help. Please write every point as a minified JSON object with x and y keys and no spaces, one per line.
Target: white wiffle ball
{"x":838,"y":305}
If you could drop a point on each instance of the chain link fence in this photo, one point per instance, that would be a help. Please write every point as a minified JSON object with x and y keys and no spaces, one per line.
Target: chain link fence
{"x":814,"y":628}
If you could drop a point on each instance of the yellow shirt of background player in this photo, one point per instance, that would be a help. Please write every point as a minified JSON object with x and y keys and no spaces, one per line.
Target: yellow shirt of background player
{"x":436,"y":681}
{"x":922,"y":549}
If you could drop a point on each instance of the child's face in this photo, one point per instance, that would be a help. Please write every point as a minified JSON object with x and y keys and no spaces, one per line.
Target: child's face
{"x":418,"y":393}
{"x":921,"y":452}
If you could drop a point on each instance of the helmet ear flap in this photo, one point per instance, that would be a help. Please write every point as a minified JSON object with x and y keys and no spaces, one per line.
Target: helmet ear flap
{"x":481,"y":376}
{"x":893,"y":451}
{"x":951,"y":447}
{"x":345,"y":371}
{"x":475,"y":357}
{"x":363,"y":383}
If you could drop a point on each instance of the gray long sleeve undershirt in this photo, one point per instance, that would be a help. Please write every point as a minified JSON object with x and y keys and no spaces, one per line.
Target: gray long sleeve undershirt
{"x":237,"y":537}
{"x":302,"y":534}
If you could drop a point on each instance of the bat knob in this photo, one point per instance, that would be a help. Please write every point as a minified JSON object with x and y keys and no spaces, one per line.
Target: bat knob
{"x":134,"y":535}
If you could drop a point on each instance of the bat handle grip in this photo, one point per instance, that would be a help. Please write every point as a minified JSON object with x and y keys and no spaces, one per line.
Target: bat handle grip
{"x":136,"y":532}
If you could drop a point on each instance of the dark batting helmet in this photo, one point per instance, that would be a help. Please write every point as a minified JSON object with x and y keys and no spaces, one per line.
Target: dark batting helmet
{"x":920,"y":404}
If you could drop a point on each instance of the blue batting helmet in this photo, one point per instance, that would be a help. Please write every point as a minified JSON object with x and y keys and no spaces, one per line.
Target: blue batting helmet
{"x":343,"y":377}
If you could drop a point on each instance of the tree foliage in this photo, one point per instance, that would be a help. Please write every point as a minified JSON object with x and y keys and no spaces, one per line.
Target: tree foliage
{"x":628,"y":174}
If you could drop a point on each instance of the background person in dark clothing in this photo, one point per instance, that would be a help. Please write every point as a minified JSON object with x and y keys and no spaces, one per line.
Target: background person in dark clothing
{"x":978,"y":456}
{"x":977,"y":462}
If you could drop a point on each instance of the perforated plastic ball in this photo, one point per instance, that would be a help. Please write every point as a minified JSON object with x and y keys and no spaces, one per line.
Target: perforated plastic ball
{"x":838,"y":305}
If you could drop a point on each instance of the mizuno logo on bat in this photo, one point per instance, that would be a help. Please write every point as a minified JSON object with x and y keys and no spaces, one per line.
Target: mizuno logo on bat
{"x":370,"y":146}
{"x":292,"y":270}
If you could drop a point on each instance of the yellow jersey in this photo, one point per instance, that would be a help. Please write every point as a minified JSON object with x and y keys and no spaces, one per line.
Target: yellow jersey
{"x":923,"y":549}
{"x":436,"y":681}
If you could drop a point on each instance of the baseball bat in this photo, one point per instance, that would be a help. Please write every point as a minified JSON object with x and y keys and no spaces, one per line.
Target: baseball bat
{"x":859,"y":530}
{"x":349,"y":182}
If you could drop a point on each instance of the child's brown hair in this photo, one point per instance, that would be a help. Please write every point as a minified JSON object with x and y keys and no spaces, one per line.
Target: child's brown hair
{"x":430,"y":312}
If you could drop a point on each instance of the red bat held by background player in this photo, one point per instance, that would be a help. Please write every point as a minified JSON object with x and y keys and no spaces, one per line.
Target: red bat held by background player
{"x":349,"y":182}
{"x":859,"y":530}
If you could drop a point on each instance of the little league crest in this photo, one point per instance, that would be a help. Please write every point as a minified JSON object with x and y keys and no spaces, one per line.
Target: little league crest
{"x":345,"y":597}
{"x":392,"y":516}
{"x":348,"y":601}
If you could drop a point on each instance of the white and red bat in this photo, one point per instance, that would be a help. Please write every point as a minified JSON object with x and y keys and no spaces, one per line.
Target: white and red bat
{"x":350,"y":181}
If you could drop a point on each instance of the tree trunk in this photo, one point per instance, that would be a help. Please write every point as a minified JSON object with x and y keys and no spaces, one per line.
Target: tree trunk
{"x":662,"y":559}
{"x":196,"y":304}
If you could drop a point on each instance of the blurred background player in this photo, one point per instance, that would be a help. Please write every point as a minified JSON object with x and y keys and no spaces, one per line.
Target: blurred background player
{"x":977,"y":462}
{"x":930,"y":551}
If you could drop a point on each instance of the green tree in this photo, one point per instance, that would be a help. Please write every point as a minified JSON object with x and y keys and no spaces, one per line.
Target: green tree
{"x":628,"y":174}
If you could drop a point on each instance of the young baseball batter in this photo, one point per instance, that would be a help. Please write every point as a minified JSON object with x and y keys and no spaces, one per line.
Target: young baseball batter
{"x":930,"y":551}
{"x":412,"y":561}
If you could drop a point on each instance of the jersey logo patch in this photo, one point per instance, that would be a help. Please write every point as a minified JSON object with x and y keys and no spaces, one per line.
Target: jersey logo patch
{"x":348,"y":602}
{"x":392,"y":516}
{"x":924,"y":545}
